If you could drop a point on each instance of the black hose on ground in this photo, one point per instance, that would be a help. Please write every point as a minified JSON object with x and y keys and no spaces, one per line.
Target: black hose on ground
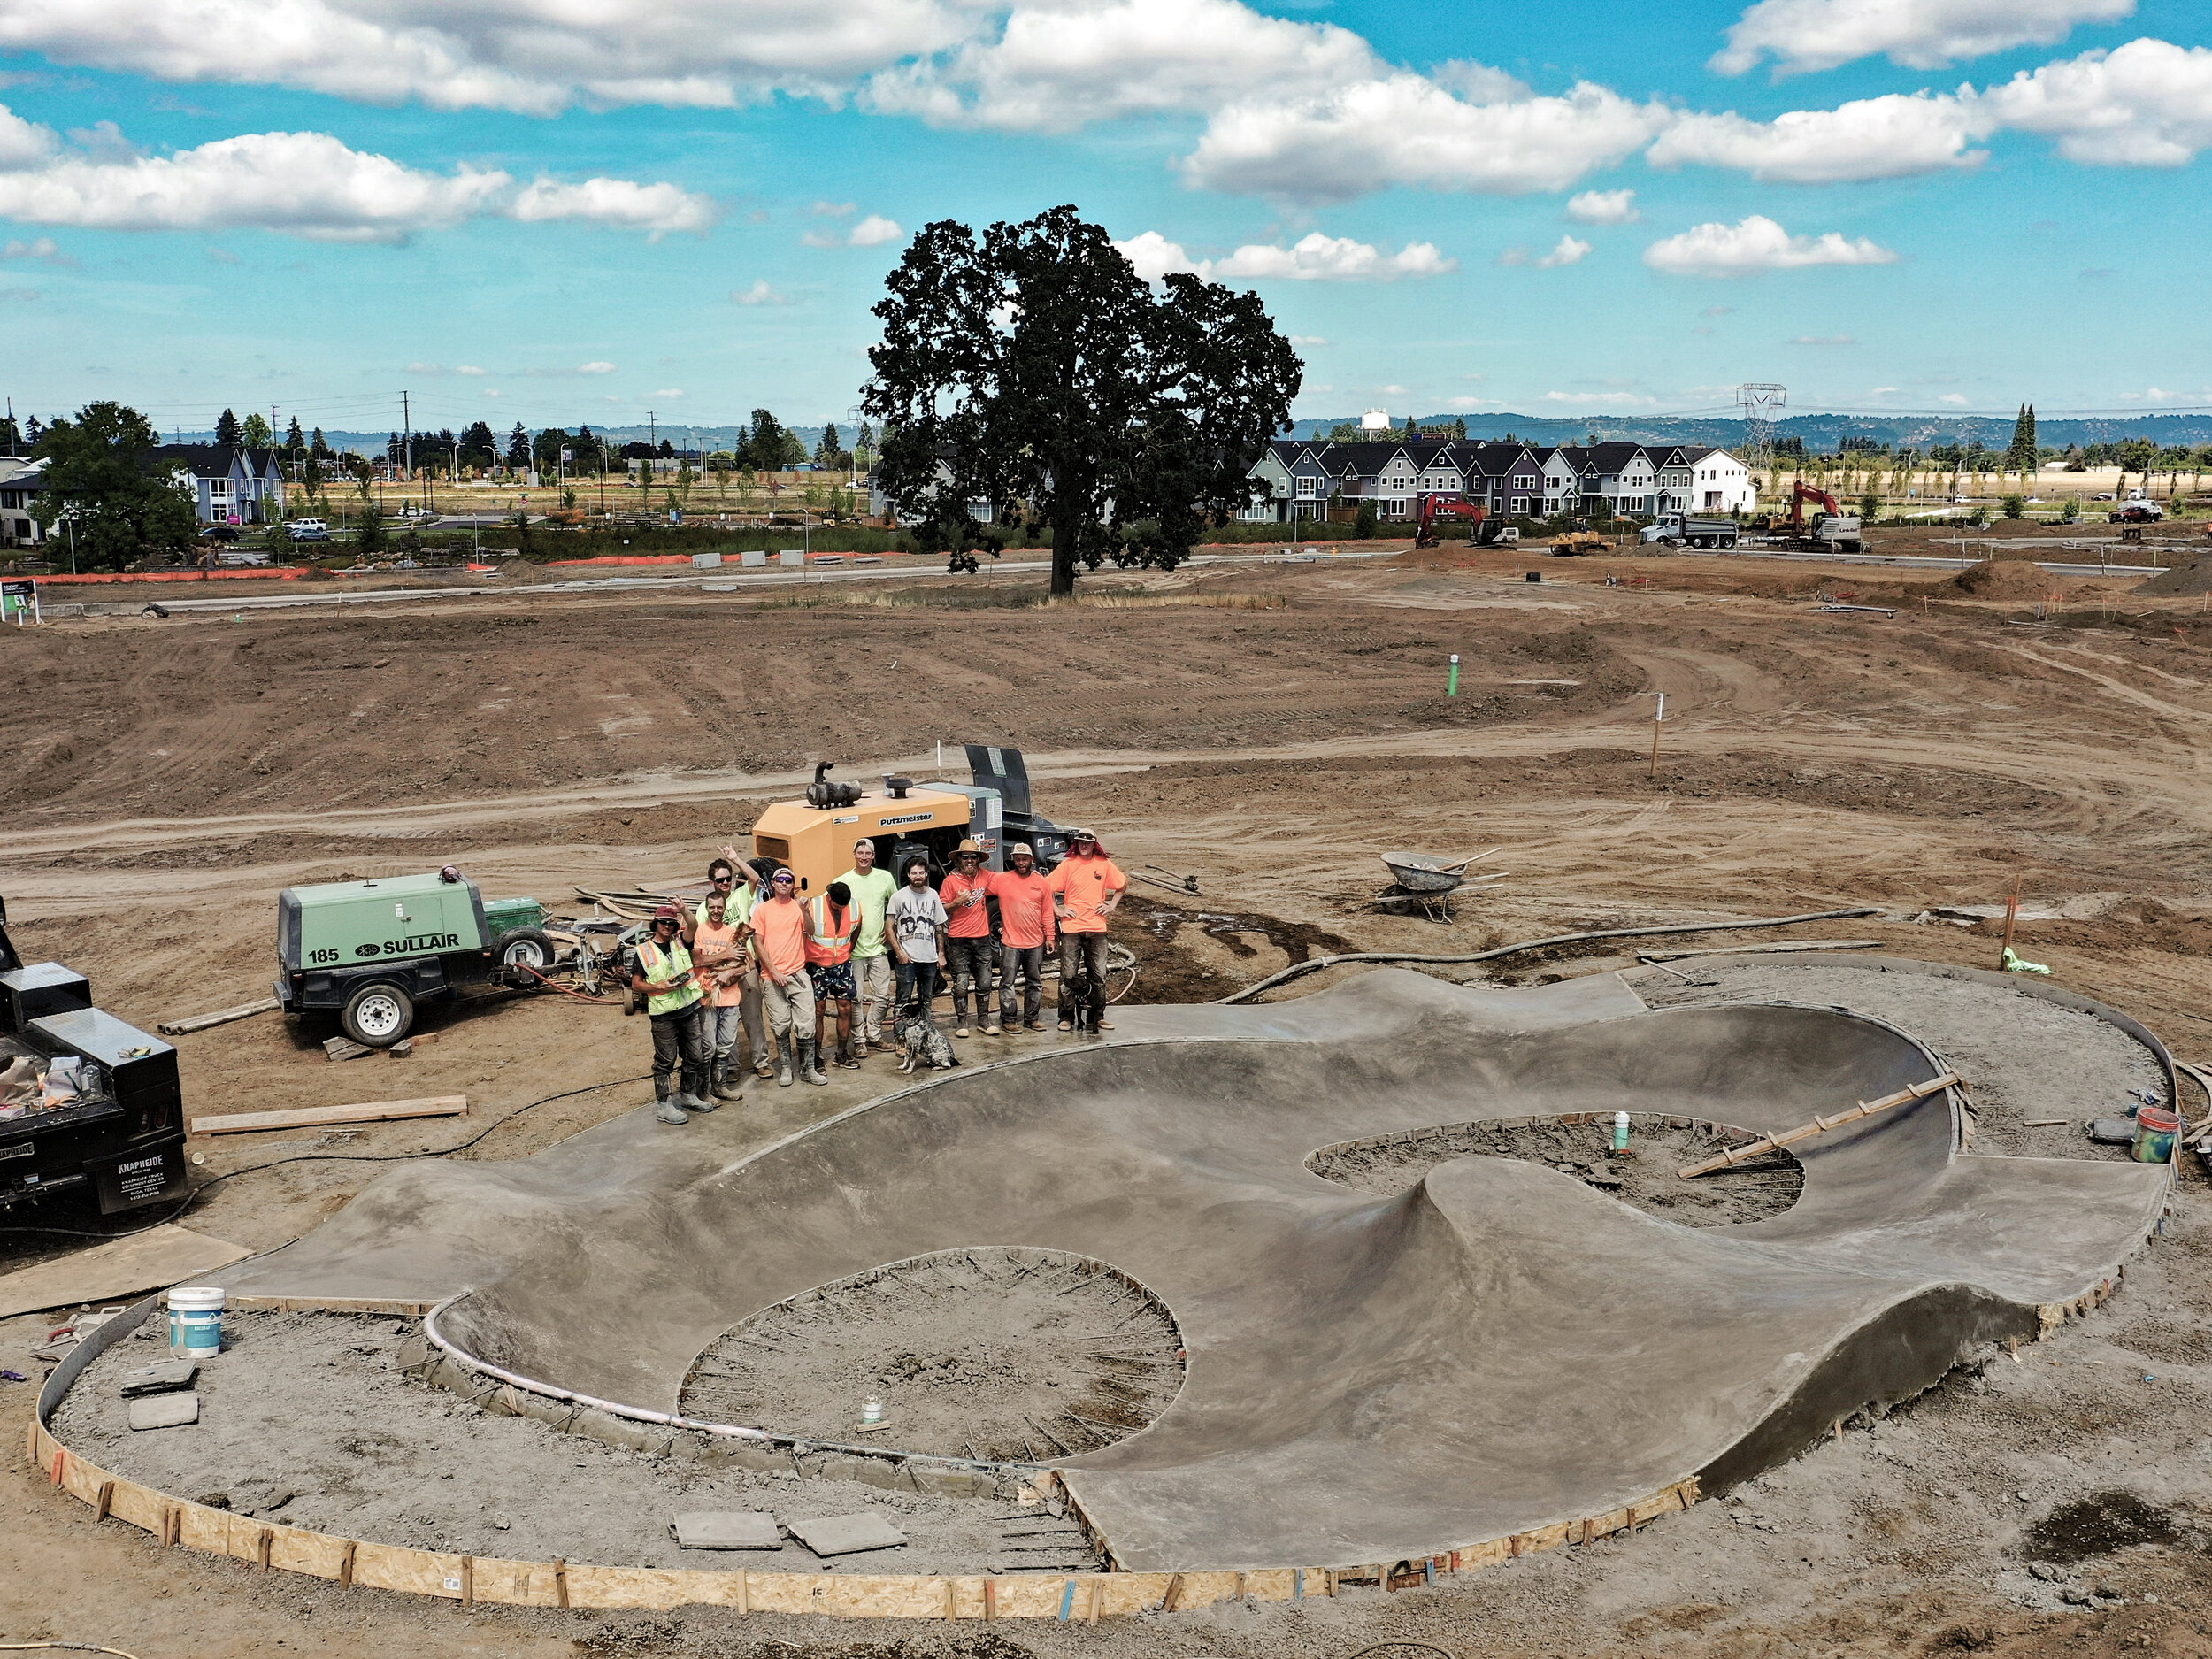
{"x":1298,"y":969}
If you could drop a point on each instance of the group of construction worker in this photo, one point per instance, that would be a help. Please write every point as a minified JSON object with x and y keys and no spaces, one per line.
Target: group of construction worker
{"x":806,"y":979}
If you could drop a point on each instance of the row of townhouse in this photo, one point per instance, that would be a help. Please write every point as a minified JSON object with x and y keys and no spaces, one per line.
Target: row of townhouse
{"x":1307,"y":478}
{"x":227,"y":483}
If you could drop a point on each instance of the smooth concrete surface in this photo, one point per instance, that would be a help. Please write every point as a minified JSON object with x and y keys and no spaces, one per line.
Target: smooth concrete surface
{"x":1496,"y":1349}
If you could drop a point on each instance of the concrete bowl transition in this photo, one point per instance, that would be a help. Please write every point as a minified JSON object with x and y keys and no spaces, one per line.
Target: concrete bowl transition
{"x":1499,"y":1351}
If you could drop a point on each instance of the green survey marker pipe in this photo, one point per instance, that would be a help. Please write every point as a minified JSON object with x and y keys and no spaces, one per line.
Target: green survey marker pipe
{"x":1451,"y":686}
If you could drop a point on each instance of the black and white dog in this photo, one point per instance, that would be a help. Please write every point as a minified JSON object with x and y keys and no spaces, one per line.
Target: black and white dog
{"x":922,"y":1044}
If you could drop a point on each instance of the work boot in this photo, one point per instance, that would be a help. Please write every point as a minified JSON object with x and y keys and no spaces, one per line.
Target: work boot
{"x":669,"y":1112}
{"x":993,"y":1029}
{"x":783,"y":1061}
{"x":721,"y":1085}
{"x":763,"y":1068}
{"x":695,"y":1103}
{"x":807,"y":1070}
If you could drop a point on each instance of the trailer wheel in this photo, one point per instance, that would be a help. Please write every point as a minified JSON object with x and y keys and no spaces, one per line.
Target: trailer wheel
{"x":520,"y":947}
{"x":378,"y":1016}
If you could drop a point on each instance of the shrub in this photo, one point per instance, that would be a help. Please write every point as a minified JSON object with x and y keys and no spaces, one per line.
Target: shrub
{"x":2071,"y":513}
{"x":2015,"y":507}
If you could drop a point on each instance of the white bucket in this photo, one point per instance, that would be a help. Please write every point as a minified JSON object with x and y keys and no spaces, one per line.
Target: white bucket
{"x":196,"y":1319}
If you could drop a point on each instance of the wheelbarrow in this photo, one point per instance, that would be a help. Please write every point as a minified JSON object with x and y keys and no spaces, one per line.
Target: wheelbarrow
{"x":1430,"y":879}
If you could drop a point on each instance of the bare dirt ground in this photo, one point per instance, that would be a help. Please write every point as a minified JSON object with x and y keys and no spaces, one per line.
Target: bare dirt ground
{"x":178,"y":773}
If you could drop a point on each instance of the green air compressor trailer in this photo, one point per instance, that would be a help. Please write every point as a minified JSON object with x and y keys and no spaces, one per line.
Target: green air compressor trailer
{"x":371,"y":952}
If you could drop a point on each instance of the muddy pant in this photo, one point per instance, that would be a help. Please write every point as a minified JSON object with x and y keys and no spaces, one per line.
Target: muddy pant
{"x":721,"y":1026}
{"x":1084,"y":954}
{"x":790,"y":1005}
{"x":970,"y":963}
{"x":755,"y":1018}
{"x":872,"y":978}
{"x":1027,"y":964}
{"x":678,"y":1053}
{"x":917,"y":986}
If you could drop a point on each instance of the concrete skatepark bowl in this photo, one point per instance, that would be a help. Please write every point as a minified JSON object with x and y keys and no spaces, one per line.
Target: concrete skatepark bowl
{"x":1496,"y":1348}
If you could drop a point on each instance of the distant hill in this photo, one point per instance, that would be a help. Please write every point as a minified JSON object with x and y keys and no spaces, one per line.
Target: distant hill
{"x":1821,"y":433}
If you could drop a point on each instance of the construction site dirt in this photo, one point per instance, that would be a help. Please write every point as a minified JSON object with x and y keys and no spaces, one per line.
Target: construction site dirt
{"x":1809,"y":761}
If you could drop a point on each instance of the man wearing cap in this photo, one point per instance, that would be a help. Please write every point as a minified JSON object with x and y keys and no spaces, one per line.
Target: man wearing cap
{"x":1026,"y":933}
{"x":872,"y":889}
{"x":1086,"y":888}
{"x":968,"y":946}
{"x":664,"y":972}
{"x":780,"y":940}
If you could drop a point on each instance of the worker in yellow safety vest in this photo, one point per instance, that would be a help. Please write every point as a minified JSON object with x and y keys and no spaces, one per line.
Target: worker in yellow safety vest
{"x":672,"y":1001}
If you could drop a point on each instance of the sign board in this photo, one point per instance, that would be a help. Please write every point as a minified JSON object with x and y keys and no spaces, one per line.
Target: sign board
{"x":19,"y":598}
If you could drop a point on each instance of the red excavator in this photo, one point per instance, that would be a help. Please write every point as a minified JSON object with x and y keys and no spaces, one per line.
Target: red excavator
{"x":1484,"y":530}
{"x":1800,"y":492}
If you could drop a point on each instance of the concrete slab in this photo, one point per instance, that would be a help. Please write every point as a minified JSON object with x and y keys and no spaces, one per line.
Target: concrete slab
{"x":847,"y":1534}
{"x":164,"y":1411}
{"x":726,"y":1529}
{"x":1496,"y":1349}
{"x":166,"y":1378}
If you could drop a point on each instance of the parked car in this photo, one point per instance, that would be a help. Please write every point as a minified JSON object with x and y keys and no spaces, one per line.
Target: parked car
{"x":218,"y":533}
{"x":2136,"y":512}
{"x":309,"y":530}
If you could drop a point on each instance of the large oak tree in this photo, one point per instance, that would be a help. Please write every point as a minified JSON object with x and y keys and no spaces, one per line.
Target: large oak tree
{"x":100,"y":471}
{"x":1033,"y":370}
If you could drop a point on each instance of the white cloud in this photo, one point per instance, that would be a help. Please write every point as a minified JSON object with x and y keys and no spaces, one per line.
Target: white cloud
{"x":537,"y":56}
{"x":1571,"y":250}
{"x":1804,"y":35}
{"x":1887,"y":137}
{"x":1404,"y":128}
{"x":1307,"y":340}
{"x":1952,"y":398}
{"x":835,"y":209}
{"x":1822,"y":340}
{"x":1603,"y":207}
{"x":874,"y":231}
{"x":668,"y":391}
{"x":1315,"y":258}
{"x":618,"y":203}
{"x":759,"y":294}
{"x":2147,"y":104}
{"x":43,"y":250}
{"x":1754,"y":244}
{"x":468,"y":368}
{"x":596,"y":366}
{"x":303,"y":184}
{"x":1057,"y":65}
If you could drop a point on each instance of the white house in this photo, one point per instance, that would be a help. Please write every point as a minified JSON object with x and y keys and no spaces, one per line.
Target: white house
{"x":20,"y":484}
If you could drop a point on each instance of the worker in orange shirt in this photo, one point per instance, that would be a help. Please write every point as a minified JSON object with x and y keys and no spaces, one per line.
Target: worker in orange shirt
{"x":1087,"y":888}
{"x":832,"y":921}
{"x":780,"y":940}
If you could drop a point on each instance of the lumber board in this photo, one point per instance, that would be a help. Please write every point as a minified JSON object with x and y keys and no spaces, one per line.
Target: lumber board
{"x":319,"y":1117}
{"x":1786,"y":947}
{"x":220,"y":1017}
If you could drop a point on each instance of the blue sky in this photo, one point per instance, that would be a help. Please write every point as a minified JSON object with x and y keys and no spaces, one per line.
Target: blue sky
{"x":688,"y":208}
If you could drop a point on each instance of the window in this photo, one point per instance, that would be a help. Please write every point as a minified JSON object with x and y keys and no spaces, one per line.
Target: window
{"x":1520,"y":504}
{"x":1307,"y":488}
{"x":219,"y":487}
{"x":1524,"y":483}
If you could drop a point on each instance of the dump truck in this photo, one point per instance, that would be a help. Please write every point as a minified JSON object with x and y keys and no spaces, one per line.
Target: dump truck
{"x":87,"y":1102}
{"x":813,"y":837}
{"x":1679,"y":531}
{"x":372,"y":952}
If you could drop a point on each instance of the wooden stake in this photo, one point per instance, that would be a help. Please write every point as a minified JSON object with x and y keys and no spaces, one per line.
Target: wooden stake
{"x":1818,"y":1126}
{"x":1658,"y":715}
{"x":990,"y":1598}
{"x":1174,"y":1596}
{"x":2012,"y":913}
{"x":261,"y":1546}
{"x":560,"y":1580}
{"x":106,"y":1497}
{"x":468,"y":1581}
{"x":345,"y":1565}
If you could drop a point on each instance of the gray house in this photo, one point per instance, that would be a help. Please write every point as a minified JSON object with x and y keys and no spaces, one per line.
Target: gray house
{"x":228,"y":483}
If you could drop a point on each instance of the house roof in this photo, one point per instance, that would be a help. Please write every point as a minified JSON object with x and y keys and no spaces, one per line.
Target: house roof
{"x":215,"y":460}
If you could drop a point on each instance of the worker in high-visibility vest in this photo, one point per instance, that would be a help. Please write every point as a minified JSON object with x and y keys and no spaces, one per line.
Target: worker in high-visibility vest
{"x":832,"y":921}
{"x":672,"y":998}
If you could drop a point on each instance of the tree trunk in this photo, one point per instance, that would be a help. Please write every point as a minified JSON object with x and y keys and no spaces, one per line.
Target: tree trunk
{"x":1067,"y":530}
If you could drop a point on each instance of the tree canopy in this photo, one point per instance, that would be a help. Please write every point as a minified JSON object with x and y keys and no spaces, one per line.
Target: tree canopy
{"x":1033,"y":371}
{"x":226,"y":427}
{"x":96,"y":471}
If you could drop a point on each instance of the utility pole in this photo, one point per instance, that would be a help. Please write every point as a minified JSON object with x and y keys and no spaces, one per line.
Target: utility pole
{"x":407,"y":435}
{"x":11,"y":428}
{"x":652,"y":427}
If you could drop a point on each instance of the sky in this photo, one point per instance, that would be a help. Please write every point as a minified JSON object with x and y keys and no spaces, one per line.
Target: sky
{"x":534,"y":210}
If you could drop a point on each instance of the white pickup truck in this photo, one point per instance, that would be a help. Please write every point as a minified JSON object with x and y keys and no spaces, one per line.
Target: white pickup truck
{"x":1681,"y":532}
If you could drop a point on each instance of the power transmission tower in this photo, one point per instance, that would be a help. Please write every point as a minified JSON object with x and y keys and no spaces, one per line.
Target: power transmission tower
{"x":1759,"y":400}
